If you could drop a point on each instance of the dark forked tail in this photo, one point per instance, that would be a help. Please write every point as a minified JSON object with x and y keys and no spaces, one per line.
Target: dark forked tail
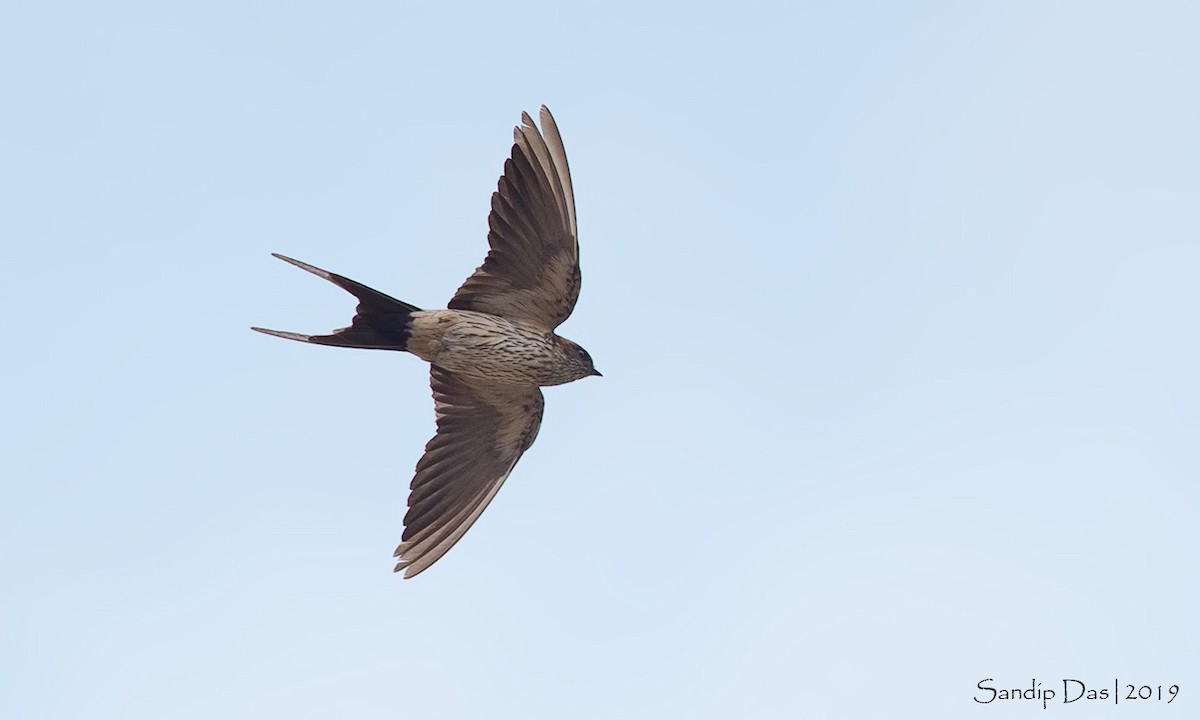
{"x":382,"y":322}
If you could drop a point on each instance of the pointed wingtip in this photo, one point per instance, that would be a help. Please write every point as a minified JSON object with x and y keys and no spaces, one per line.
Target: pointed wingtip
{"x":410,"y":569}
{"x":407,"y":567}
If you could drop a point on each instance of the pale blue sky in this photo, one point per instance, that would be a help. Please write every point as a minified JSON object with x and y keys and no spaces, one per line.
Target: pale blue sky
{"x":896,"y":307}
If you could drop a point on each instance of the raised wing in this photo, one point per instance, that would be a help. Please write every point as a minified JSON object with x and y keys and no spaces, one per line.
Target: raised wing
{"x":481,"y":433}
{"x":531,"y":274}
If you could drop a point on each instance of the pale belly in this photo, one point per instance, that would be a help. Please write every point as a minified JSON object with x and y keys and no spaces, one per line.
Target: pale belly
{"x":483,"y":346}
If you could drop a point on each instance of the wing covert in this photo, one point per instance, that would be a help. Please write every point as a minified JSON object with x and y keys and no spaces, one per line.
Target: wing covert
{"x":531,"y":273}
{"x":481,"y":433}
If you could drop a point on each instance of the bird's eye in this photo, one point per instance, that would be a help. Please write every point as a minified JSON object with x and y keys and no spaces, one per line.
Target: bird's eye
{"x":583,"y":355}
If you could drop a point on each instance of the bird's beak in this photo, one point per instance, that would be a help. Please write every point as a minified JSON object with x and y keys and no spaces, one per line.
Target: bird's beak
{"x":596,"y":372}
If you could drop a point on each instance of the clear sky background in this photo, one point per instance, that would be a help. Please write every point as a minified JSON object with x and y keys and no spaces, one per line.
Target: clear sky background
{"x":896,"y":305}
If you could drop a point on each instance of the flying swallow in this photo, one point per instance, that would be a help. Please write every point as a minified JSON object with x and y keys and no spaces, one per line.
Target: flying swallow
{"x":490,"y":351}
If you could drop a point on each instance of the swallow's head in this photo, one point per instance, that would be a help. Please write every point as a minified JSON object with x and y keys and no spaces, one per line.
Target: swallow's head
{"x":576,"y":359}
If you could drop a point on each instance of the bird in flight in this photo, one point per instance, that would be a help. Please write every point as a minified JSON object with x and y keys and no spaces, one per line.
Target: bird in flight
{"x":490,"y":351}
